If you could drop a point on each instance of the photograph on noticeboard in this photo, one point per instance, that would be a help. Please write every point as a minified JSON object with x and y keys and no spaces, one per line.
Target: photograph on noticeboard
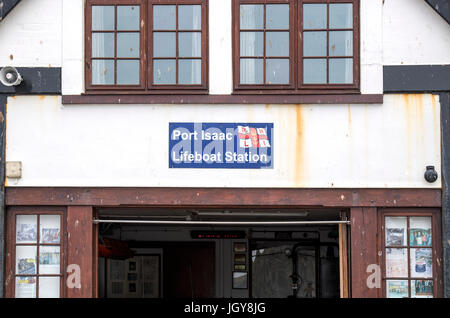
{"x":25,"y":287}
{"x":397,"y":288}
{"x":421,"y":262}
{"x":420,"y":231}
{"x":26,"y":233}
{"x":422,"y":288}
{"x":396,"y":231}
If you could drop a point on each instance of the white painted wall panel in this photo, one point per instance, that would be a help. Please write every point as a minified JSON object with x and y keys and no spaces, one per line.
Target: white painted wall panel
{"x":360,"y":146}
{"x":30,"y":36}
{"x":413,"y":33}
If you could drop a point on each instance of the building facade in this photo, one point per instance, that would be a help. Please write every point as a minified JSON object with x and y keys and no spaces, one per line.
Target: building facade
{"x":225,"y":148}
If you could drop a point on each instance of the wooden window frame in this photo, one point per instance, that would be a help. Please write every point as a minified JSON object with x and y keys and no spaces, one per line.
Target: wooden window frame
{"x":436,"y":247}
{"x":146,"y":86}
{"x":10,"y":267}
{"x":296,"y":85}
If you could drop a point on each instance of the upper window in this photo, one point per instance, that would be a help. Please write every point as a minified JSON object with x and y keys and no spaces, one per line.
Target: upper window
{"x":146,"y":46}
{"x":324,"y":55}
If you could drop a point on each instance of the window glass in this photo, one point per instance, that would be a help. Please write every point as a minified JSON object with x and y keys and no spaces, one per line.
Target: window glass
{"x":341,"y":16}
{"x":252,"y":43}
{"x":164,"y":44}
{"x":420,"y":231}
{"x":103,"y":18}
{"x":26,"y":228}
{"x":189,"y":71}
{"x":50,"y":229}
{"x":128,"y":44}
{"x":103,"y":45}
{"x":252,"y":71}
{"x":128,"y":18}
{"x":277,"y":44}
{"x":315,"y":71}
{"x":164,"y":71}
{"x":277,"y":71}
{"x":314,"y":16}
{"x":103,"y":72}
{"x":341,"y":43}
{"x":341,"y":71}
{"x":189,"y":17}
{"x":190,"y":44}
{"x":128,"y":72}
{"x":277,"y":16}
{"x":164,"y":17}
{"x":49,"y":287}
{"x":252,"y":16}
{"x":315,"y":44}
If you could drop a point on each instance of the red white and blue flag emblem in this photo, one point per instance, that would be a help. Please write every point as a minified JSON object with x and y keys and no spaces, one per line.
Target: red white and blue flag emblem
{"x":253,"y":137}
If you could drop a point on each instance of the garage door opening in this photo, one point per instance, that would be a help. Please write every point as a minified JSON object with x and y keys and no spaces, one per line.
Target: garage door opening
{"x":240,"y":253}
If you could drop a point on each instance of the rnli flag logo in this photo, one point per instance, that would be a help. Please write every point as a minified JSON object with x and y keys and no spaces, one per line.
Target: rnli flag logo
{"x":252,"y":137}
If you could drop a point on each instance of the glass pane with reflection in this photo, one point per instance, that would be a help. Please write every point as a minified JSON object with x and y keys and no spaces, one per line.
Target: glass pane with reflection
{"x":252,"y":43}
{"x":341,"y":71}
{"x":314,"y":16}
{"x":103,"y":18}
{"x":341,"y":43}
{"x":128,"y":44}
{"x":314,"y":71}
{"x":314,"y":43}
{"x":102,"y":72}
{"x":190,"y":44}
{"x":128,"y":72}
{"x":189,"y":71}
{"x":277,"y":71}
{"x":277,"y":16}
{"x":252,"y":71}
{"x":164,"y":44}
{"x":189,"y":17}
{"x":164,"y":72}
{"x":164,"y":17}
{"x":341,"y":16}
{"x":128,"y":18}
{"x":277,"y":43}
{"x":252,"y":16}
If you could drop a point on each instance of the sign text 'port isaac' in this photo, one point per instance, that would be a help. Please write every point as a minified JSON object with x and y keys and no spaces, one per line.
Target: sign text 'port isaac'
{"x":221,"y":145}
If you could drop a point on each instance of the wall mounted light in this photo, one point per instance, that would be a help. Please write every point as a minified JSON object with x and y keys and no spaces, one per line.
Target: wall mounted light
{"x":430,"y":174}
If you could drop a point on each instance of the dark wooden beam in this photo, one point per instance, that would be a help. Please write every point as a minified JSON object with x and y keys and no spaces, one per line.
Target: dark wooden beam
{"x":416,"y":78}
{"x":36,"y":80}
{"x":445,"y":140}
{"x":442,"y":7}
{"x":223,"y":197}
{"x":223,"y":99}
{"x":2,"y":190}
{"x":6,"y":7}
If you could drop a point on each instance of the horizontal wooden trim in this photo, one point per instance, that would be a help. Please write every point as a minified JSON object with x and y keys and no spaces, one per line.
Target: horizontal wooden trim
{"x":224,"y":99}
{"x":221,"y":197}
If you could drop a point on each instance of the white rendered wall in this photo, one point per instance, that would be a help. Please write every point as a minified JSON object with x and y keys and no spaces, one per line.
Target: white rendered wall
{"x":30,"y":36}
{"x":347,"y":146}
{"x":413,"y":33}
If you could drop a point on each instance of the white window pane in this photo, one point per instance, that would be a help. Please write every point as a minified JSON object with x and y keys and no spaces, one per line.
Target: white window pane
{"x":277,"y":71}
{"x":397,"y":289}
{"x":189,"y":17}
{"x":50,"y":228}
{"x":277,"y":16}
{"x":128,"y":18}
{"x":277,"y":43}
{"x":314,"y":16}
{"x":341,"y":16}
{"x":421,"y":289}
{"x":190,"y":44}
{"x":251,"y":16}
{"x":102,"y":18}
{"x":420,"y":231}
{"x":395,"y":230}
{"x":128,"y":72}
{"x":25,"y":287}
{"x":314,"y":71}
{"x":341,"y":43}
{"x":251,"y":71}
{"x":164,"y":44}
{"x":26,"y":260}
{"x":102,"y":44}
{"x":251,"y":43}
{"x":189,"y":71}
{"x":49,"y":260}
{"x":164,"y":17}
{"x":26,"y":228}
{"x":341,"y":71}
{"x":421,"y":262}
{"x":49,"y":287}
{"x":102,"y":72}
{"x":164,"y":72}
{"x":314,"y":43}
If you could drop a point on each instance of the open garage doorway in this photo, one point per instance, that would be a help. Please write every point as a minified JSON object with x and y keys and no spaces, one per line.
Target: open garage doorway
{"x":238,"y":253}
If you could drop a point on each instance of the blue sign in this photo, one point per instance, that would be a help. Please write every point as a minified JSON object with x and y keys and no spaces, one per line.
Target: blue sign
{"x":221,"y":145}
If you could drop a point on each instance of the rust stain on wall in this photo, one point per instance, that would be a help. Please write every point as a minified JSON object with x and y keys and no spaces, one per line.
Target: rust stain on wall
{"x":349,"y":120}
{"x":299,"y":168}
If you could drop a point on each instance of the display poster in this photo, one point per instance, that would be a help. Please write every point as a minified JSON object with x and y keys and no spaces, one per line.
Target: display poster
{"x":150,"y":275}
{"x":116,"y":270}
{"x":396,"y":228}
{"x":420,"y":231}
{"x":26,"y":228}
{"x":397,"y":289}
{"x":25,"y":287}
{"x":396,"y":262}
{"x":421,"y":262}
{"x":49,"y":260}
{"x":422,"y":288}
{"x":26,"y":260}
{"x":50,"y":226}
